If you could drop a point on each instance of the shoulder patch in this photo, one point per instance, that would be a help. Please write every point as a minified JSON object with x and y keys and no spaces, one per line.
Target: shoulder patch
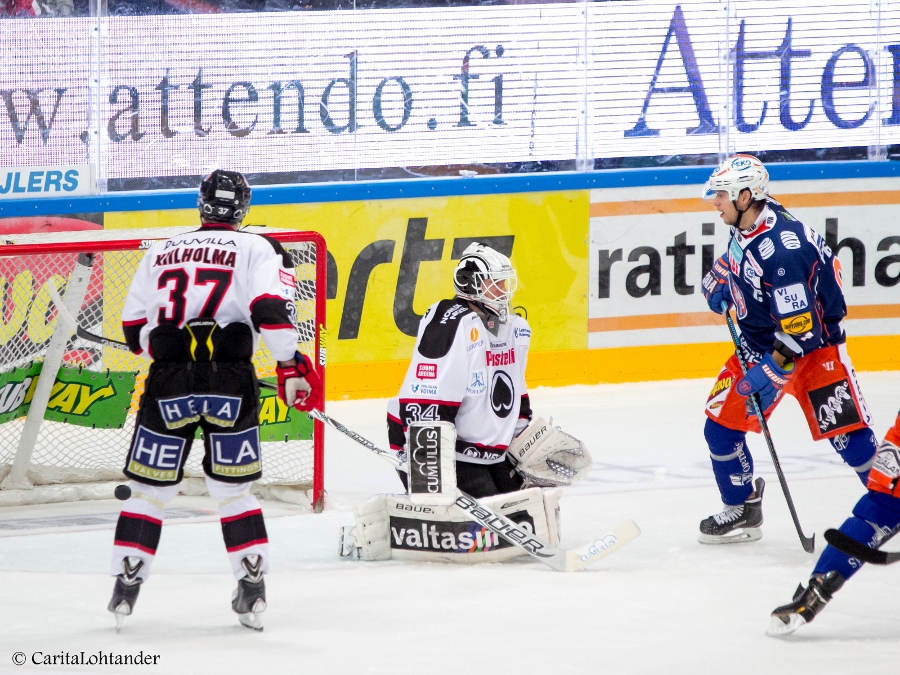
{"x":766,"y":248}
{"x":286,"y":261}
{"x":438,"y":336}
{"x":790,"y":240}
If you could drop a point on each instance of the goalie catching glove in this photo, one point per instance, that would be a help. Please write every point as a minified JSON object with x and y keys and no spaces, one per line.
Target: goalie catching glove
{"x":549,"y":457}
{"x":299,"y":385}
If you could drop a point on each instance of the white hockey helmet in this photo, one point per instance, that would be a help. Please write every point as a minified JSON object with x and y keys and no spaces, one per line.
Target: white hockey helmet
{"x":736,"y":174}
{"x":487,"y":277}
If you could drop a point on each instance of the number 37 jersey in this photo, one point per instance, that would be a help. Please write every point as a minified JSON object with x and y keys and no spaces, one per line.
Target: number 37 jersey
{"x":462,"y":373}
{"x":214,"y":273}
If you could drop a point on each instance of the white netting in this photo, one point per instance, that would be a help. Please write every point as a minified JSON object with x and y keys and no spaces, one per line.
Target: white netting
{"x":68,"y":453}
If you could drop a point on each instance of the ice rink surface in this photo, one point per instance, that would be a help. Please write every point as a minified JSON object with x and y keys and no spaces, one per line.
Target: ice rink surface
{"x":663,"y":604}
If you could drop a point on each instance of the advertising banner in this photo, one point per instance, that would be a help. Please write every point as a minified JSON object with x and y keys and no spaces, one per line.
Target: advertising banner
{"x":389,"y":260}
{"x":334,"y":93}
{"x":651,"y":247}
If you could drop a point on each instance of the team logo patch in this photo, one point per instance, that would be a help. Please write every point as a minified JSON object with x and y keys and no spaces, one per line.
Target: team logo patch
{"x":220,"y":410}
{"x":426,"y":371}
{"x":155,"y":456}
{"x":797,"y":325}
{"x":236,"y":454}
{"x":790,"y":240}
{"x":502,"y":394}
{"x":789,"y":299}
{"x":735,"y":256}
{"x":834,"y":406}
{"x":739,"y":302}
{"x":477,"y":383}
{"x":719,"y":393}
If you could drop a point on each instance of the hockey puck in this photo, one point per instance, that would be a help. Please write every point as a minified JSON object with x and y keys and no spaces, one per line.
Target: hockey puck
{"x":122,"y":492}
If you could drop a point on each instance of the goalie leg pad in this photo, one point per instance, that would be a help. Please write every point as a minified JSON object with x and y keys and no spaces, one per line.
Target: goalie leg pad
{"x":394,"y":527}
{"x":372,"y":531}
{"x":551,"y":510}
{"x":549,"y":457}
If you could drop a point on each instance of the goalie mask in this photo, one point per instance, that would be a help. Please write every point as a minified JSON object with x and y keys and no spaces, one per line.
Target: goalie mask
{"x":224,"y":197}
{"x":487,"y":277}
{"x":738,"y":173}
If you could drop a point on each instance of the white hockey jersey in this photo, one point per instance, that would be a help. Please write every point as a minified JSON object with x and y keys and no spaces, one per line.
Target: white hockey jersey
{"x":462,"y":373}
{"x":215,"y":273}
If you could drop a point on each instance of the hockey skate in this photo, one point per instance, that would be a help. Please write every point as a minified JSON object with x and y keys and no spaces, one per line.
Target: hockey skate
{"x":807,"y":603}
{"x":736,"y":523}
{"x":249,"y":599}
{"x":126,"y":590}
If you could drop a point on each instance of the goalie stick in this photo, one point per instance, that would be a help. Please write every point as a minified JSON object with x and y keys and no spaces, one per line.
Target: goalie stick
{"x":561,"y":560}
{"x":846,"y":544}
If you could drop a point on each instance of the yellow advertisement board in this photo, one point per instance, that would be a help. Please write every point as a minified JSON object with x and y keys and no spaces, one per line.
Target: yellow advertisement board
{"x":390,"y":259}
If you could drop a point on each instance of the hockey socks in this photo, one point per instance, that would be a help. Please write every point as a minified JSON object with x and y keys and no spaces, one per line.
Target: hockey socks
{"x":243,"y":526}
{"x":857,"y":449}
{"x":731,"y":462}
{"x":875,"y":516}
{"x":140,"y":525}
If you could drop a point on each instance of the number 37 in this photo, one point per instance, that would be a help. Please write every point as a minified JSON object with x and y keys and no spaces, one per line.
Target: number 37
{"x":177,"y":281}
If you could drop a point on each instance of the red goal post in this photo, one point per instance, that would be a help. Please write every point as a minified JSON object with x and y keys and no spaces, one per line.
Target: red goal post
{"x":66,"y":440}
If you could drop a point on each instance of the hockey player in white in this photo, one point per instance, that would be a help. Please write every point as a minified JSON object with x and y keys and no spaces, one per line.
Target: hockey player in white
{"x":468,"y":369}
{"x":197,"y":306}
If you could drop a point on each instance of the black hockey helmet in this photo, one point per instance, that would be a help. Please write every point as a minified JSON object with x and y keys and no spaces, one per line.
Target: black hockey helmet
{"x":224,"y":197}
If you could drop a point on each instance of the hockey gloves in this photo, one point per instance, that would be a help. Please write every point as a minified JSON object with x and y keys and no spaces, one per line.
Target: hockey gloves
{"x":715,"y":285}
{"x":300,"y":385}
{"x":767,"y":379}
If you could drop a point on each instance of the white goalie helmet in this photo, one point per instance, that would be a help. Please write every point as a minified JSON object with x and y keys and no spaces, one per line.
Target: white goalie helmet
{"x":487,"y":277}
{"x":738,"y":173}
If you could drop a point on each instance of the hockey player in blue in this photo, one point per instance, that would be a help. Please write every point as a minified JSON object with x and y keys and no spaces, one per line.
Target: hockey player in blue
{"x":876,"y":517}
{"x":784,"y":283}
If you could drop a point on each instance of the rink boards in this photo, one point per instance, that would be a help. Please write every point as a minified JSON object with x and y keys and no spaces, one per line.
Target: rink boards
{"x":609,"y":276}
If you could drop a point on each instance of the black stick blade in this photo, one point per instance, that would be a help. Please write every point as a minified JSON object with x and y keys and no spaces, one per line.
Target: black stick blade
{"x":848,"y":545}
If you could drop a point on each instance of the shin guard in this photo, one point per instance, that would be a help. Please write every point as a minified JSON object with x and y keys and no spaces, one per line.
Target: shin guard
{"x":731,"y":462}
{"x":875,"y":516}
{"x":857,"y":449}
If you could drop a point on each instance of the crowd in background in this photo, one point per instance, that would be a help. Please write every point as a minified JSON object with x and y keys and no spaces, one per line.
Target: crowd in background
{"x":52,"y":8}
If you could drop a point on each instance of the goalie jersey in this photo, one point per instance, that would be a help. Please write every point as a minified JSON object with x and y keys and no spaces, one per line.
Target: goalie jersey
{"x":215,"y":273}
{"x":462,"y":373}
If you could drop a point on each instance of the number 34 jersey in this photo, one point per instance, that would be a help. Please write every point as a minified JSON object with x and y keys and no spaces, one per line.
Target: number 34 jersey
{"x":462,"y":373}
{"x":215,"y":273}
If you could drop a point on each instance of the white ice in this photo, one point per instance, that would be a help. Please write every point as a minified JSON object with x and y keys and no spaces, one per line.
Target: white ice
{"x":662,"y":604}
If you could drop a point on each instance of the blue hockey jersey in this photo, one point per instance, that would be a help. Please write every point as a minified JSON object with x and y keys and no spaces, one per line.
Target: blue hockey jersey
{"x":785,"y":283}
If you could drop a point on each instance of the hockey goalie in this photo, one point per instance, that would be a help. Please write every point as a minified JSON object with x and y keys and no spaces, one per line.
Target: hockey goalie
{"x":463,"y":419}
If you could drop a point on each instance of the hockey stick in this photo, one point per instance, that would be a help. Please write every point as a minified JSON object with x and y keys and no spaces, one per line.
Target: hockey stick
{"x":561,"y":560}
{"x":808,"y":543}
{"x":847,"y":544}
{"x":85,"y":334}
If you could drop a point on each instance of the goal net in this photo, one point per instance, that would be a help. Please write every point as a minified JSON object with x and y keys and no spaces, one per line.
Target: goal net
{"x":67,"y":439}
